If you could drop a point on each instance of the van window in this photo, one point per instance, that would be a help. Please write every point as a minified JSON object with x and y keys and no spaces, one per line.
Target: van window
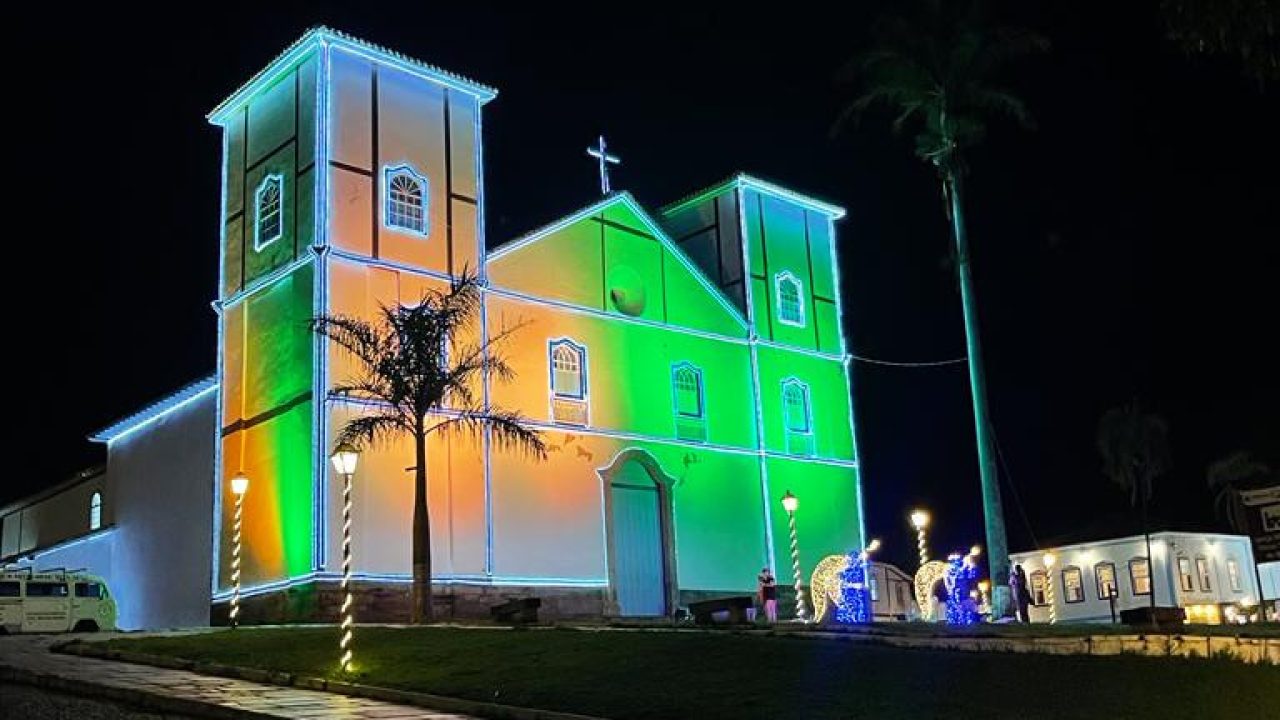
{"x":89,"y":590}
{"x":10,"y":588}
{"x":46,"y":589}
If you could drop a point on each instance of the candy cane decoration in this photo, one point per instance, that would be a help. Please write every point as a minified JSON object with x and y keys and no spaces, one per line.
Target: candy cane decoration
{"x":345,"y":643}
{"x":235,"y":561}
{"x":795,"y":568}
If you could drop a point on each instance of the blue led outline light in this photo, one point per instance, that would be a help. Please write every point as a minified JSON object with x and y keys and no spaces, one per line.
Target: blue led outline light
{"x":466,"y":579}
{"x":658,"y":233}
{"x":159,"y":409}
{"x":278,"y":180}
{"x":795,"y":382}
{"x":675,"y":392}
{"x":32,"y":555}
{"x":424,"y":194}
{"x":786,"y":276}
{"x":325,"y":37}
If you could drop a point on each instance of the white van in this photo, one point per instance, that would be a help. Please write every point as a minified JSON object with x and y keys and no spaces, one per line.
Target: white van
{"x":53,"y":601}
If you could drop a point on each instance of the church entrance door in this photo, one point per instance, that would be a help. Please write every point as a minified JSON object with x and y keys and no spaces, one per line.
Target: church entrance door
{"x":641,"y":564}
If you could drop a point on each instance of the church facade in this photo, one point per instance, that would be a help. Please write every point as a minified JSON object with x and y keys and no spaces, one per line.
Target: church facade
{"x":685,"y":366}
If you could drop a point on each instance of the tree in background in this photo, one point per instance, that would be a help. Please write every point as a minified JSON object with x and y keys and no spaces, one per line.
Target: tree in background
{"x":1247,"y":29}
{"x":1134,"y":446}
{"x":1226,"y":477}
{"x":935,"y":70}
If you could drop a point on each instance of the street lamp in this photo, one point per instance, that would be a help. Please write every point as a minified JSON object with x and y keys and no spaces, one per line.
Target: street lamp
{"x":344,"y":460}
{"x":920,"y":521}
{"x":1049,"y":560}
{"x":790,"y":503}
{"x":239,"y":486}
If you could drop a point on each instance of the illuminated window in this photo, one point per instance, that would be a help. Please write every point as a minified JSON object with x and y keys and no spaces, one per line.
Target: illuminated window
{"x":406,"y":200}
{"x":568,"y":378}
{"x":1072,"y":584}
{"x":1039,"y":595}
{"x":268,"y":200}
{"x":1202,"y":569}
{"x":686,"y":383}
{"x":790,"y":299}
{"x":795,"y":406}
{"x":1104,"y":574}
{"x":1233,"y":574}
{"x":1139,"y":576}
{"x":1184,"y":575}
{"x":95,"y":511}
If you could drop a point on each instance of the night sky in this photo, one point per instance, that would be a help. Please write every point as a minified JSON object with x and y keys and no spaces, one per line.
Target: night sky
{"x":1127,"y":247}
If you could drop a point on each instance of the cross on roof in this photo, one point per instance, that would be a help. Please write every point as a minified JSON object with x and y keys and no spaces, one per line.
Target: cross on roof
{"x":601,"y":153}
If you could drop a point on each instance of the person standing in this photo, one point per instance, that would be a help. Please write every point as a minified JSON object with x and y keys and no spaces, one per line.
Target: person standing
{"x":767,"y":590}
{"x":1021,"y":593}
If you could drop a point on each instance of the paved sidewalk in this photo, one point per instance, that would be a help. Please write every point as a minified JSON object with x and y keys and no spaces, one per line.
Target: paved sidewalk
{"x":224,"y":697}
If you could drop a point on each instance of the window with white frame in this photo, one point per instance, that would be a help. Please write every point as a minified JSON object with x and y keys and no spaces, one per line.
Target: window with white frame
{"x":1139,"y":576}
{"x":95,"y":511}
{"x":568,"y":374}
{"x":1104,"y":575}
{"x":795,"y":406}
{"x":406,"y":207}
{"x":268,"y":224}
{"x":790,"y":298}
{"x":686,"y":384}
{"x":1039,"y":594}
{"x":1072,"y":584}
{"x":1233,"y":574}
{"x":1185,"y":580}
{"x":1202,"y":569}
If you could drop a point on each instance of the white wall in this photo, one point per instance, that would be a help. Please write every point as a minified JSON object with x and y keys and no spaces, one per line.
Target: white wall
{"x":1166,"y":547}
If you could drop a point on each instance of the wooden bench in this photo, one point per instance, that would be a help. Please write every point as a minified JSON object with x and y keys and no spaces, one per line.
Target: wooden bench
{"x":736,"y":606}
{"x":518,"y":610}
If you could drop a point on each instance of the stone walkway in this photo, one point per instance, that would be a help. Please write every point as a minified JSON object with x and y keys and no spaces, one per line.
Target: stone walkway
{"x":224,"y":697}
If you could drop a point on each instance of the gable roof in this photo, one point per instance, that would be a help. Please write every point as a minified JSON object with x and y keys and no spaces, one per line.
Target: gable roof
{"x":160,"y":407}
{"x":626,"y":200}
{"x":743,"y":180}
{"x":323,"y":36}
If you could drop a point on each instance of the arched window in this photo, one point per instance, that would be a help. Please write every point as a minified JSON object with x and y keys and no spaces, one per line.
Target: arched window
{"x":1072,"y":584}
{"x":95,"y":511}
{"x":795,"y":406}
{"x":1104,"y":574}
{"x":686,"y":383}
{"x":790,"y":299}
{"x":268,"y":200}
{"x":1038,"y":594}
{"x":406,"y":200}
{"x":568,"y":375}
{"x":1139,"y":576}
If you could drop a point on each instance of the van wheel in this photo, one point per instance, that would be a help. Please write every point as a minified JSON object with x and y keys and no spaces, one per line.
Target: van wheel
{"x":85,"y":626}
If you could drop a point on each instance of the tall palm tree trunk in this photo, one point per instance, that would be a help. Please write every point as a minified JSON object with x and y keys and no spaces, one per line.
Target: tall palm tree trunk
{"x":993,"y":512}
{"x":422,"y":611}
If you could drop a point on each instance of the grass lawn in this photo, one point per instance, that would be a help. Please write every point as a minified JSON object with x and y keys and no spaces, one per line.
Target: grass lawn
{"x":635,"y":675}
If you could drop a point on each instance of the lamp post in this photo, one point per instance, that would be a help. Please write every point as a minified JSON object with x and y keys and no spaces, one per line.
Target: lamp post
{"x":920,"y":521}
{"x":790,"y":503}
{"x":1049,"y":560}
{"x":239,"y":486}
{"x":865,"y":557}
{"x":344,"y":460}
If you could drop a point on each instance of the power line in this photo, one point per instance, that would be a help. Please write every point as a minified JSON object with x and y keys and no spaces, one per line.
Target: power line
{"x":1008,"y":476}
{"x":892,"y":363}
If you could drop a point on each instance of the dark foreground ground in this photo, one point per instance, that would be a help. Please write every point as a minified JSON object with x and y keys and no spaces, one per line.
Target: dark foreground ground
{"x":646,"y":675}
{"x":32,"y":703}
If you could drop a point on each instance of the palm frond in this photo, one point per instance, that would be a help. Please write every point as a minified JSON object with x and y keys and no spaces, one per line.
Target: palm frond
{"x":372,"y":430}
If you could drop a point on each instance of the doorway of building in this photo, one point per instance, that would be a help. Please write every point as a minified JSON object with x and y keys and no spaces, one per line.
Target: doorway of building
{"x":640,"y":538}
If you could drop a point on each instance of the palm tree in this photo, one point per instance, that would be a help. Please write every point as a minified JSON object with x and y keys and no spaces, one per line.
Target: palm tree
{"x":1225,"y":478}
{"x":937,"y":72}
{"x":420,"y":378}
{"x":1135,"y":451}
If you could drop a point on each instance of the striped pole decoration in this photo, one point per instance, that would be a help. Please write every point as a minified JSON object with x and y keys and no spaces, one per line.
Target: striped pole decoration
{"x":924,"y":551}
{"x":345,"y":643}
{"x":801,"y":615}
{"x":235,"y":561}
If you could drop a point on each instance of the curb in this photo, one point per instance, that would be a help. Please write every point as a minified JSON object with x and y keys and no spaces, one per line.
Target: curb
{"x":163,"y":704}
{"x":440,"y":703}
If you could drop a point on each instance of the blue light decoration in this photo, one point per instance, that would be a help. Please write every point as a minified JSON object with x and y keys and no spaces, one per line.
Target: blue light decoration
{"x":854,"y":607}
{"x":961,"y":580}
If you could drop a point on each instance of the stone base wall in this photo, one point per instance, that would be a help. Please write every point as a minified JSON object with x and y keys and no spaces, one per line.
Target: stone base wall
{"x":321,"y":602}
